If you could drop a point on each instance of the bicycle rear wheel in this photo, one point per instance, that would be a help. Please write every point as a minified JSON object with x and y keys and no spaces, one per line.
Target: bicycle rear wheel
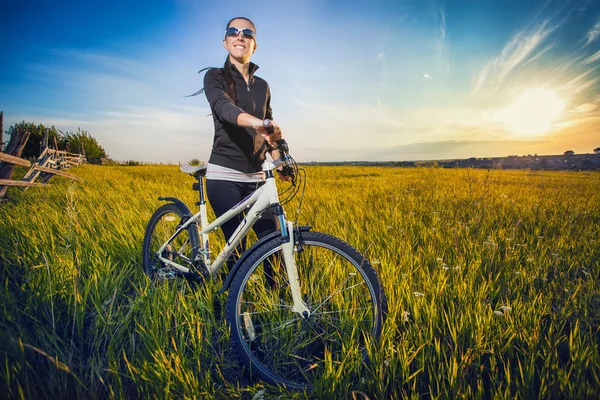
{"x":340,"y":288}
{"x":182,"y":250}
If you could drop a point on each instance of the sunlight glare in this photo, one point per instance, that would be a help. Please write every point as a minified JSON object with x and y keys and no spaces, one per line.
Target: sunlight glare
{"x":532,"y":113}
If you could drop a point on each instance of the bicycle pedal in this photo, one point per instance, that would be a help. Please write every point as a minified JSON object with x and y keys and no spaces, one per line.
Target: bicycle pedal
{"x":166,"y":275}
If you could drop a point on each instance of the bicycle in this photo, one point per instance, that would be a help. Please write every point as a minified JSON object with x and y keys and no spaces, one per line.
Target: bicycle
{"x":300,"y":302}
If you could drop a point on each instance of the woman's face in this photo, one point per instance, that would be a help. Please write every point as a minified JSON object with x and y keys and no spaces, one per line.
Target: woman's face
{"x":240,"y":47}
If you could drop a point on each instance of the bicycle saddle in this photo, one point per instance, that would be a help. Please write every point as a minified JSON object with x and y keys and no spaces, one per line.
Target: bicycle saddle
{"x":194,"y":170}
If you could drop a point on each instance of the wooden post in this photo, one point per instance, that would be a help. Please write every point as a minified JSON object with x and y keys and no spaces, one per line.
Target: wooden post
{"x":42,"y":160}
{"x":42,"y":145}
{"x":55,"y":172}
{"x":1,"y":130}
{"x":46,"y":139}
{"x":7,"y":158}
{"x":7,"y":182}
{"x":15,"y":147}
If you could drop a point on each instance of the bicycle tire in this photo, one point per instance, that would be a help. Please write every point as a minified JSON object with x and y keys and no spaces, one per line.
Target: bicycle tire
{"x":278,"y":345}
{"x":156,"y":234}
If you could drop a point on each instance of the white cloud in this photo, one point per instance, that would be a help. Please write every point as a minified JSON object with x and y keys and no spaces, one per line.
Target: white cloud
{"x":136,"y":110}
{"x":98,"y":60}
{"x":584,"y":108}
{"x":427,"y":76}
{"x":593,"y":33}
{"x":593,"y":58}
{"x":520,"y":50}
{"x":443,"y":46}
{"x":142,"y":133}
{"x":366,"y":131}
{"x":578,"y":83}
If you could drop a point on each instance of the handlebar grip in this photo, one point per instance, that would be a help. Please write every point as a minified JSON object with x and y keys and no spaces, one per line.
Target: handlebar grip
{"x":281,"y":143}
{"x":268,"y":126}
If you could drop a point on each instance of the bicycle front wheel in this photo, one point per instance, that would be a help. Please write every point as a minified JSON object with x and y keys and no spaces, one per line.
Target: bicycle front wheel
{"x":339,"y":287}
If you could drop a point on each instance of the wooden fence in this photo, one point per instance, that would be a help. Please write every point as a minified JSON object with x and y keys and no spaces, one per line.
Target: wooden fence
{"x":50,"y":163}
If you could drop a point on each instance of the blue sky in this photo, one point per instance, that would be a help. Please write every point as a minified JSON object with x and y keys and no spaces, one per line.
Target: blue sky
{"x":350,"y":80}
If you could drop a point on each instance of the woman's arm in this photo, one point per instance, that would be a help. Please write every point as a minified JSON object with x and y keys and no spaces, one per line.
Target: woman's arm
{"x":223,"y":106}
{"x":219,"y":101}
{"x":249,"y":121}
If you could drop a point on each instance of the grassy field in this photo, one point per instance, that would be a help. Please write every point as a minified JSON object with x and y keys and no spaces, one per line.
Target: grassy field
{"x":492,"y":279}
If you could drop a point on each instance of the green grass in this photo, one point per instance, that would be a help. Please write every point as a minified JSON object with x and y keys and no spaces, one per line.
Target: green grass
{"x":79,"y":319}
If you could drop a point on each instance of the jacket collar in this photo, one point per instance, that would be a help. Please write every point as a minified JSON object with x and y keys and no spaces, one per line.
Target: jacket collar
{"x":251,"y":68}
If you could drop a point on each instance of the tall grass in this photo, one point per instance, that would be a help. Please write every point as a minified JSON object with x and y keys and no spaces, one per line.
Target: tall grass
{"x":492,"y":281}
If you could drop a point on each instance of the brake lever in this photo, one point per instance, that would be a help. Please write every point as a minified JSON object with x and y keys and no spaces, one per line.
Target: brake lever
{"x":287,"y":171}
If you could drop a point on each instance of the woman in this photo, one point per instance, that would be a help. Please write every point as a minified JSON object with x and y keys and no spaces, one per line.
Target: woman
{"x":240,"y":102}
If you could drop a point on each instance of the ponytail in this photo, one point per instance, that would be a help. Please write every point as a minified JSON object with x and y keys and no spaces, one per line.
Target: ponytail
{"x":201,"y":90}
{"x":227,"y":78}
{"x":229,"y":83}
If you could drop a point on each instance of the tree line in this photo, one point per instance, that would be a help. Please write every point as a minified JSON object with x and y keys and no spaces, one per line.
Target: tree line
{"x":80,"y":141}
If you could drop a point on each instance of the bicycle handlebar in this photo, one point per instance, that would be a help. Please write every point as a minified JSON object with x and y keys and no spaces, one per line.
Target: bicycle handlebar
{"x":284,"y":157}
{"x":281,"y":143}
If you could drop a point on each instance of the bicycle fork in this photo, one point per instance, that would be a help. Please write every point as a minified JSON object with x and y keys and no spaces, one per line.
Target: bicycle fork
{"x":291,"y":268}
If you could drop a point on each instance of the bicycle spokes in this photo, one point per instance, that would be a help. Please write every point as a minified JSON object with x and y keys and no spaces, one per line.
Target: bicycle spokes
{"x":340,"y":305}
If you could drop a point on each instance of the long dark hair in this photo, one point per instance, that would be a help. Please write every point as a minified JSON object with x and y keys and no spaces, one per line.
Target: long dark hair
{"x":227,"y":77}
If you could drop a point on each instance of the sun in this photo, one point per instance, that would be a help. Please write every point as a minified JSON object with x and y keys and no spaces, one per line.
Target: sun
{"x":532,"y":113}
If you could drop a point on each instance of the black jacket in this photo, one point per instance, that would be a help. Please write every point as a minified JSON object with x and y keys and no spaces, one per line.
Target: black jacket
{"x":234,"y":146}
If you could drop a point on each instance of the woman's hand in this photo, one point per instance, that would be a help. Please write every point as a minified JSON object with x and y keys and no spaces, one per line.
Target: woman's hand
{"x":270,"y":138}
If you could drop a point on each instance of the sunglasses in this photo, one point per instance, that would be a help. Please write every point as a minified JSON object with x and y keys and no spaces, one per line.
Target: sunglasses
{"x":232,"y":31}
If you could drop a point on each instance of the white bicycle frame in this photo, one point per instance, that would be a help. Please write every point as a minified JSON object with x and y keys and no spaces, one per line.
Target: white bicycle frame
{"x":260,"y":200}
